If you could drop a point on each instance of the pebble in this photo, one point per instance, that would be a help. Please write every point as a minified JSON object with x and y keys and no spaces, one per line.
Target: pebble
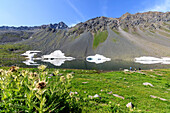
{"x":118,"y":96}
{"x":96,"y":95}
{"x":152,"y":96}
{"x":130,"y":105}
{"x":84,"y":82}
{"x":148,"y":84}
{"x":152,"y":76}
{"x":109,"y":92}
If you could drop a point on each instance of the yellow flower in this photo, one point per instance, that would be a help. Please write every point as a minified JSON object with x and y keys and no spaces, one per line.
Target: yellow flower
{"x":56,"y":72}
{"x":69,"y":76}
{"x":42,"y":67}
{"x":62,"y":79}
{"x":71,"y":94}
{"x":24,"y":73}
{"x":32,"y":75}
{"x":1,"y":71}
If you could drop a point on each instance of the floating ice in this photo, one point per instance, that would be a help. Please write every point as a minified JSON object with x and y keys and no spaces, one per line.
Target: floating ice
{"x":152,"y":60}
{"x":56,"y":58}
{"x":97,"y":59}
{"x":30,"y":54}
{"x":56,"y":55}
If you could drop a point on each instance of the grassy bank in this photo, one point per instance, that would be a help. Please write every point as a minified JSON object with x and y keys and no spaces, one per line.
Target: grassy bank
{"x":81,"y":91}
{"x":99,"y":37}
{"x":11,"y":53}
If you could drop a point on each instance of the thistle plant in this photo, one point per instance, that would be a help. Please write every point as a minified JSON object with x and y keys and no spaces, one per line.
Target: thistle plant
{"x":28,"y":91}
{"x":42,"y":67}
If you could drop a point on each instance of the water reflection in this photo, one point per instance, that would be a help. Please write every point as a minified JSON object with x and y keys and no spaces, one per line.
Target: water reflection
{"x":112,"y":65}
{"x":143,"y":63}
{"x":56,"y":62}
{"x":30,"y":62}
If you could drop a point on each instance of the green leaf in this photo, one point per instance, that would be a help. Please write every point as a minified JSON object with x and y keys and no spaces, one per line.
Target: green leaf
{"x":38,"y":96}
{"x":36,"y":107}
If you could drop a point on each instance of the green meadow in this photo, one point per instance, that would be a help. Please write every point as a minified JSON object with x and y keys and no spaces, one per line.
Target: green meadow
{"x":63,"y":90}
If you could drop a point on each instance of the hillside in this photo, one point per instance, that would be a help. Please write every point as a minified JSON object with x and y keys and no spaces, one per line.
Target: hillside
{"x":129,"y":36}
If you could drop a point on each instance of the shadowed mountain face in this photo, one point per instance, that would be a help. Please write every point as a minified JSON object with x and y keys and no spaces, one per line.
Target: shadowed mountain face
{"x":129,"y":36}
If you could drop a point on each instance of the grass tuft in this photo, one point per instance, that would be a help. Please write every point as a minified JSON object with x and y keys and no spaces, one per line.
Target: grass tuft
{"x":99,"y":37}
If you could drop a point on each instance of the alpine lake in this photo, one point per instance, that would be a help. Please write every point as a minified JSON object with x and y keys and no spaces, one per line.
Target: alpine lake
{"x":113,"y":65}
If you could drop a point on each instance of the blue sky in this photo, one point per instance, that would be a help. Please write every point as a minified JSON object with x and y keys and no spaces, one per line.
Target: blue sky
{"x":71,"y":12}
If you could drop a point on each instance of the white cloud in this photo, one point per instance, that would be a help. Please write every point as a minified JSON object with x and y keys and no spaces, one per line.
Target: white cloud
{"x":75,"y":9}
{"x":162,"y":5}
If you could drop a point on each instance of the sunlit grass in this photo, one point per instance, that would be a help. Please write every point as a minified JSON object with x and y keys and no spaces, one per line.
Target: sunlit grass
{"x":78,"y":87}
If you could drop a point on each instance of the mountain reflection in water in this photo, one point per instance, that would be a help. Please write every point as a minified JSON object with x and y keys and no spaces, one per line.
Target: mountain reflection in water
{"x":114,"y":65}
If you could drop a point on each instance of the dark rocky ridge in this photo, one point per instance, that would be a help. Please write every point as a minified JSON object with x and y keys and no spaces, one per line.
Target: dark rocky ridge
{"x":16,"y":34}
{"x":150,"y":20}
{"x":60,"y":25}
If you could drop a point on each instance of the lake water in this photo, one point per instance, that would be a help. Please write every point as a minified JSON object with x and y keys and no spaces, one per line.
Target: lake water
{"x":113,"y":65}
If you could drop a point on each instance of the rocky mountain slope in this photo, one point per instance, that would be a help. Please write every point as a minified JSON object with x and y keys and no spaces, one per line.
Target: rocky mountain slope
{"x":15,"y":34}
{"x":129,"y":36}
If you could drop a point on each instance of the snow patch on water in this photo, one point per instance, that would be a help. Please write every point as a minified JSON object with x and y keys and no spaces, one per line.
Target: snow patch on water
{"x":152,"y":60}
{"x":97,"y":59}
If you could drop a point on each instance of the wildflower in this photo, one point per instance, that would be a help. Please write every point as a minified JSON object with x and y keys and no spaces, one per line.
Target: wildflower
{"x":7,"y":73}
{"x":42,"y":67}
{"x":13,"y":68}
{"x":1,"y":71}
{"x":35,"y":74}
{"x":69,"y":76}
{"x":91,"y":97}
{"x":56,"y":72}
{"x":24,"y":73}
{"x":77,"y":99}
{"x":32,"y":75}
{"x":118,"y":104}
{"x":75,"y":93}
{"x":45,"y":73}
{"x":62,"y":79}
{"x":71,"y":94}
{"x":41,"y":84}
